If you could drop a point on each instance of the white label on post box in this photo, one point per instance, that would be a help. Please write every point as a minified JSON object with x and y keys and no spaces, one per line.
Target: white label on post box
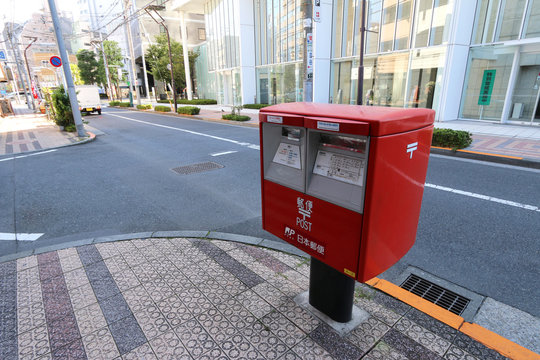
{"x":339,"y":167}
{"x":323,"y":125}
{"x":288,"y":155}
{"x":275,"y":119}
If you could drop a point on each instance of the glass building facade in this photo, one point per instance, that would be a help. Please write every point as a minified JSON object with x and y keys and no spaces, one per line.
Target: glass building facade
{"x":404,"y":51}
{"x":279,"y":41}
{"x":223,"y":54}
{"x":506,"y":44}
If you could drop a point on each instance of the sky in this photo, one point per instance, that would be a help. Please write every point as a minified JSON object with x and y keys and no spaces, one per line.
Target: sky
{"x":21,"y":10}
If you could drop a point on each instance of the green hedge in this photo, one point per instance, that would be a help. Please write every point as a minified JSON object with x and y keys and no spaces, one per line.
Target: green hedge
{"x":114,"y":103}
{"x":191,"y":102}
{"x":162,"y":108}
{"x":124,"y":104}
{"x":190,"y":110}
{"x":255,"y":106}
{"x":235,"y":117}
{"x":144,"y":107}
{"x":455,"y":139}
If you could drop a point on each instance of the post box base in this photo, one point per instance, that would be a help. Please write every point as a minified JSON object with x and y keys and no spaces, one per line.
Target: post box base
{"x":331,"y":292}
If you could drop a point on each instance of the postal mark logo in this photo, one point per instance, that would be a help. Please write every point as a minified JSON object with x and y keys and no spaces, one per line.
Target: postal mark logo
{"x":305,"y":208}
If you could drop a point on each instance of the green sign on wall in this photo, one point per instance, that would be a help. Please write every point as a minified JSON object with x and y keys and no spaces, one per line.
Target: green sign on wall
{"x":487,"y":87}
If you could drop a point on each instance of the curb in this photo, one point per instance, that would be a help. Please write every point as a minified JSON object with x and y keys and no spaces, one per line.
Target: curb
{"x":482,"y":156}
{"x":486,"y":337}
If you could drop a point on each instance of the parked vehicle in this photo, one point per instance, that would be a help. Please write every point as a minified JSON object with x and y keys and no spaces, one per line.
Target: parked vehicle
{"x":88,"y":98}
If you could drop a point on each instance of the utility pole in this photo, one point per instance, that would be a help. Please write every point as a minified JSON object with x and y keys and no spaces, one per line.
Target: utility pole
{"x":145,"y":75}
{"x":154,"y":8}
{"x":307,"y":11}
{"x":106,"y":65}
{"x":127,"y":24}
{"x":359,"y":95}
{"x":11,"y":37}
{"x":67,"y":71}
{"x":183,"y":30}
{"x":28,"y":68}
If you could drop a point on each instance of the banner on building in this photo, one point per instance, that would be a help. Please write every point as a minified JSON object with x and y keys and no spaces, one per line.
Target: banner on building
{"x":487,"y":87}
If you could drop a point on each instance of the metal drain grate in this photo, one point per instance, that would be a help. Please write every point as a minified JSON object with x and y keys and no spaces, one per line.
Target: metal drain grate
{"x":197,"y":168}
{"x":436,"y":294}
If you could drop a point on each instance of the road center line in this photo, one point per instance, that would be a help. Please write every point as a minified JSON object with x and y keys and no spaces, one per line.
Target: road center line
{"x":248,"y":145}
{"x":33,"y":154}
{"x":485,"y":197}
{"x":223,"y":153}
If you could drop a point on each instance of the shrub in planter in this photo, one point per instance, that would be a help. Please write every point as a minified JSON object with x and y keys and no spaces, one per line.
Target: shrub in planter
{"x":144,"y":107}
{"x":63,"y":116}
{"x":162,"y":108}
{"x":255,"y":106}
{"x":124,"y":104}
{"x":197,"y":101}
{"x":114,"y":103}
{"x":70,"y":128}
{"x":235,"y":117}
{"x":190,"y":110}
{"x":455,"y":139}
{"x":163,"y":101}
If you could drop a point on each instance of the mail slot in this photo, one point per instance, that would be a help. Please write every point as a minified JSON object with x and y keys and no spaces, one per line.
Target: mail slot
{"x":345,"y":183}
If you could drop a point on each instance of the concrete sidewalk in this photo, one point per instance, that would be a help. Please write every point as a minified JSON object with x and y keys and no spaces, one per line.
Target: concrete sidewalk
{"x":28,"y":131}
{"x":195,"y":298}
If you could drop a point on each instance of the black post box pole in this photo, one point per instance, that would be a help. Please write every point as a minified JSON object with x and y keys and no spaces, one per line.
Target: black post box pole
{"x":330,"y":291}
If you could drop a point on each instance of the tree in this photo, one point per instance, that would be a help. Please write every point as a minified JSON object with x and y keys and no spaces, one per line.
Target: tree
{"x":76,"y":72}
{"x":157,"y":56}
{"x":114,"y":60}
{"x":88,"y":66}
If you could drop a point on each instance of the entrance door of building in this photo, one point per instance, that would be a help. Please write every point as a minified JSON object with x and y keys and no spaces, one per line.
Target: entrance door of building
{"x":525,"y":107}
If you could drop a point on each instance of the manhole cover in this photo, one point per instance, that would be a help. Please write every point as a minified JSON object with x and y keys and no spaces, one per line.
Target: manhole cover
{"x":197,"y":168}
{"x":436,"y":294}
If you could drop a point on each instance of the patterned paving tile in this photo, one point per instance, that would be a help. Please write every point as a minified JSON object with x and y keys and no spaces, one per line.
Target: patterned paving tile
{"x":34,"y":343}
{"x":195,"y":301}
{"x":107,"y":250}
{"x":141,"y":243}
{"x":268,"y":344}
{"x":89,"y":254}
{"x":169,"y":346}
{"x":455,"y":353}
{"x":152,"y":323}
{"x":300,"y":317}
{"x":297,"y":278}
{"x":101,"y":280}
{"x":100,"y":345}
{"x":174,"y":311}
{"x":26,"y":263}
{"x":254,"y":303}
{"x":115,"y":308}
{"x":195,"y":338}
{"x":270,"y":294}
{"x":475,"y":348}
{"x":72,"y":351}
{"x":8,"y":350}
{"x":283,"y":328}
{"x":67,"y":252}
{"x":76,"y":278}
{"x":423,"y":336}
{"x":429,"y":323}
{"x":145,"y":272}
{"x":408,"y":347}
{"x":90,"y":319}
{"x":82,"y":296}
{"x":310,"y":350}
{"x":143,"y":352}
{"x":235,"y":313}
{"x":284,"y":285}
{"x":386,"y":315}
{"x":338,"y":347}
{"x":127,"y":334}
{"x":383,"y":351}
{"x":367,"y":333}
{"x":241,"y":256}
{"x":70,"y":263}
{"x":158,"y":289}
{"x":30,"y":316}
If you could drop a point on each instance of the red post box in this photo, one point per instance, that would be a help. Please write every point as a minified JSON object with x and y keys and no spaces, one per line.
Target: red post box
{"x":345,"y":183}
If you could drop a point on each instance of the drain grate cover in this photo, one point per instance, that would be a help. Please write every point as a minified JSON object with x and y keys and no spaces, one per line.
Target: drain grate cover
{"x":436,"y":294}
{"x":197,"y":168}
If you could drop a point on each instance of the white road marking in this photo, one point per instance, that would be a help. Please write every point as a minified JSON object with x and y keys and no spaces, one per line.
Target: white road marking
{"x":223,"y":153}
{"x":21,"y":236}
{"x":485,"y":197}
{"x":23,"y":156}
{"x":248,"y":145}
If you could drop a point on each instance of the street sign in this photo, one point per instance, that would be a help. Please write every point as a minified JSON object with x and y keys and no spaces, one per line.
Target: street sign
{"x":55,"y":61}
{"x":3,"y":55}
{"x":487,"y":87}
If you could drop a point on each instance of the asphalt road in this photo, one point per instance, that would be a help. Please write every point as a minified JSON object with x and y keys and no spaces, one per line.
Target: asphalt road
{"x":123,"y":183}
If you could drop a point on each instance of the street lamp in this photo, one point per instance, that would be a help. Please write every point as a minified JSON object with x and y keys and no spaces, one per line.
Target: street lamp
{"x":153,"y":9}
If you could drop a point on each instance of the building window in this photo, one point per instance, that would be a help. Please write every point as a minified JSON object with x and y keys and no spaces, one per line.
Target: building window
{"x":202,"y":34}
